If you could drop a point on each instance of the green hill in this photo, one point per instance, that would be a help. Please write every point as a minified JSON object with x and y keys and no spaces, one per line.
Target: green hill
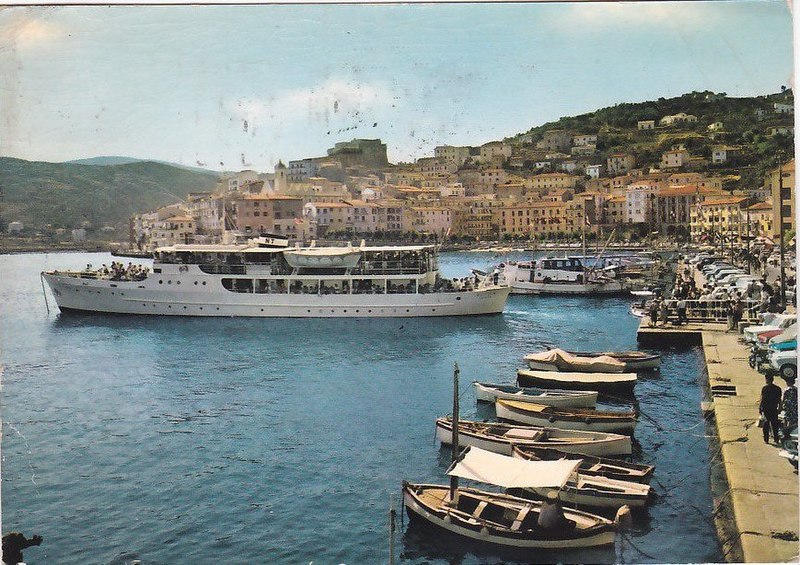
{"x":65,"y":195}
{"x":747,"y":122}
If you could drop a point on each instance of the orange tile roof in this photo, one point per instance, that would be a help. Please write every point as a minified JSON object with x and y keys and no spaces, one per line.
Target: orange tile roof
{"x":760,"y":206}
{"x":727,"y":200}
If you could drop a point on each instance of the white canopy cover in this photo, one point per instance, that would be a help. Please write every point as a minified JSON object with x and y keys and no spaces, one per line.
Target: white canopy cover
{"x":495,"y":469}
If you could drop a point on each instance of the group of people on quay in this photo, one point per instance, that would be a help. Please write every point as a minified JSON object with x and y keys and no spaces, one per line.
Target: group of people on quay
{"x":119,"y":272}
{"x":708,"y":301}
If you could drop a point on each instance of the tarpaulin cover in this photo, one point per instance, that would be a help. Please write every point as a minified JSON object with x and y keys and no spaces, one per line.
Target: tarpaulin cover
{"x":565,"y":361}
{"x":487,"y":467}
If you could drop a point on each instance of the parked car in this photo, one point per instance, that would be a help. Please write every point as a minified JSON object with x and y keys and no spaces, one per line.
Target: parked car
{"x":785,"y":362}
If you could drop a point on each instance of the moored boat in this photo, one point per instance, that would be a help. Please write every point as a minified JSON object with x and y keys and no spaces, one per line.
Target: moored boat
{"x":620,"y":383}
{"x":499,"y":438}
{"x":561,"y":276}
{"x":590,"y":465}
{"x":267,"y":278}
{"x":565,"y":418}
{"x":560,"y":360}
{"x":595,"y":492}
{"x":633,"y":360}
{"x":487,"y":392}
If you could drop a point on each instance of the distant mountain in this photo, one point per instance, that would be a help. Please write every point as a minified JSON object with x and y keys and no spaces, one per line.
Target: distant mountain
{"x":111,"y":160}
{"x":67,"y":194}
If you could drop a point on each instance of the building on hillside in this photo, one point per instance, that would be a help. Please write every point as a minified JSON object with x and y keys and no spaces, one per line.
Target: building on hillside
{"x":237,"y":180}
{"x":366,"y":216}
{"x":716,"y":127}
{"x":674,"y":159}
{"x":583,"y":150}
{"x":328,"y":217}
{"x":452,"y":190}
{"x":302,"y":169}
{"x":641,"y":203}
{"x":615,"y":210}
{"x":555,"y":140}
{"x":677,"y":119}
{"x":208,"y":211}
{"x":724,"y":153}
{"x":511,"y":190}
{"x":780,"y":182}
{"x":15,"y":228}
{"x":276,"y":214}
{"x":495,"y":152}
{"x":390,"y":216}
{"x":451,"y":154}
{"x":759,"y":216}
{"x":481,"y":181}
{"x":674,"y":205}
{"x":404,"y":177}
{"x":620,"y":163}
{"x":583,"y":140}
{"x":546,"y":181}
{"x":646,"y":125}
{"x":429,"y":220}
{"x":366,"y":153}
{"x":781,"y":108}
{"x":717,"y":219}
{"x":172,"y":230}
{"x":593,"y":171}
{"x":472,"y":216}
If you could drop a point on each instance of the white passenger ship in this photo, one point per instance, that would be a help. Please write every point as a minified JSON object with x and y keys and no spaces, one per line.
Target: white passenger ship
{"x":267,"y":278}
{"x":564,"y":276}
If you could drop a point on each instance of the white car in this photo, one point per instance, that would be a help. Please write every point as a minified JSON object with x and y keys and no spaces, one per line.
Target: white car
{"x":785,"y":362}
{"x":771,"y":322}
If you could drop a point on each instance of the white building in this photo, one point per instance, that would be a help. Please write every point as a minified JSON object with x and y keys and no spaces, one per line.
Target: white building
{"x":593,"y":171}
{"x":15,"y":227}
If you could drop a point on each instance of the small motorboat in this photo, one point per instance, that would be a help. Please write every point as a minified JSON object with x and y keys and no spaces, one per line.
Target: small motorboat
{"x":565,"y":418}
{"x":633,"y":360}
{"x":499,"y":438}
{"x":595,"y":492}
{"x":597,"y":466}
{"x":560,"y":360}
{"x":487,"y":392}
{"x":620,"y":383}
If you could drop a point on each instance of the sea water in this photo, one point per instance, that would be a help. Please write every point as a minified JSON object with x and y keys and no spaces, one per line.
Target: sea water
{"x":229,"y":440}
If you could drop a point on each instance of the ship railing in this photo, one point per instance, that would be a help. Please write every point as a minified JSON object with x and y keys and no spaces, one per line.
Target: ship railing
{"x":391,"y":268}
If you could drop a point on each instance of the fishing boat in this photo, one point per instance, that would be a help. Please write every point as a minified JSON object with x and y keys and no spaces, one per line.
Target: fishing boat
{"x":560,"y":276}
{"x":596,"y":466}
{"x":595,"y":492}
{"x":486,"y":392}
{"x":566,"y":418}
{"x":619,"y":383}
{"x":560,"y":360}
{"x":265,"y":277}
{"x":633,"y":360}
{"x":498,"y":519}
{"x":499,"y":437}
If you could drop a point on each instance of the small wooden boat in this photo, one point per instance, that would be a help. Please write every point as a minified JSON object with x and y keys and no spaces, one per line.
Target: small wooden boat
{"x":499,"y":438}
{"x":487,"y":392}
{"x":560,"y":360}
{"x":620,"y":383}
{"x":633,"y":360}
{"x":565,"y":418}
{"x":594,"y":466}
{"x":501,"y":519}
{"x":595,"y":492}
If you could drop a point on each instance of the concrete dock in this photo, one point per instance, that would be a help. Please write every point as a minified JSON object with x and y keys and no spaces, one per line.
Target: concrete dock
{"x":757,"y":515}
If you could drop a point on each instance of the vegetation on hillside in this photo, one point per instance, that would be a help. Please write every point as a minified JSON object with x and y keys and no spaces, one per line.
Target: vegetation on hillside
{"x":64,"y":195}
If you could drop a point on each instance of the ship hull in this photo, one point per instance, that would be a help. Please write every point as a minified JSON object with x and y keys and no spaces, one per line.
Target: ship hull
{"x":204,"y":296}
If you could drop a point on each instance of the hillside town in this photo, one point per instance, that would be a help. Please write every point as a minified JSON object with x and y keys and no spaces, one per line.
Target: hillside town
{"x":551,"y":186}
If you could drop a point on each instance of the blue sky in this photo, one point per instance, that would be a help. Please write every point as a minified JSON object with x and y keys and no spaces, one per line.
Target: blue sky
{"x":243,"y":86}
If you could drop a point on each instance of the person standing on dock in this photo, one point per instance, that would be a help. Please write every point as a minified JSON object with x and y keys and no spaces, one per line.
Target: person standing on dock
{"x":769,"y":408}
{"x":653,"y":311}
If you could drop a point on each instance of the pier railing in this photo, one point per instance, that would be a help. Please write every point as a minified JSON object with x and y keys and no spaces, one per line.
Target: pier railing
{"x":711,"y":310}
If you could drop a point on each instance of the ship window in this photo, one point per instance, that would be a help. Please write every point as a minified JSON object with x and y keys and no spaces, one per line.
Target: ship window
{"x":238,"y":285}
{"x":169,"y":282}
{"x":160,"y":282}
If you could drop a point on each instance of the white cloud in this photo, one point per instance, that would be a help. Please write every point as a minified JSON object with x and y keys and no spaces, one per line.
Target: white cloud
{"x":335,"y":103}
{"x":27,"y":28}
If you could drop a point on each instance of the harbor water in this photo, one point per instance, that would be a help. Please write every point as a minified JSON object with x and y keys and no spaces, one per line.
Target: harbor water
{"x":179,"y":440}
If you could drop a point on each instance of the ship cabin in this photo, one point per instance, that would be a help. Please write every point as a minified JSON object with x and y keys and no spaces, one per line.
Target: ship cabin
{"x":261,"y":269}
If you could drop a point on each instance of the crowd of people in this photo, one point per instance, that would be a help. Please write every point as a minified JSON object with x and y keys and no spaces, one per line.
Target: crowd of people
{"x":119,"y":272}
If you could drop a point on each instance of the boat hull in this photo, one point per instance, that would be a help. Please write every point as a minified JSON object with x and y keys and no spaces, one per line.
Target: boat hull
{"x":592,"y":466}
{"x":551,"y":397}
{"x":589,"y":423}
{"x":634,"y":360}
{"x":598,"y":446}
{"x":464,"y":526}
{"x":619,"y":383}
{"x":615,"y":288}
{"x":595,"y":495}
{"x":204,"y":296}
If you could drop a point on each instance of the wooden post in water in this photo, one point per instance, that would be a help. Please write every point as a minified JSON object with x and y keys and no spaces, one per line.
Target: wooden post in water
{"x":392,"y":521}
{"x":454,"y":442}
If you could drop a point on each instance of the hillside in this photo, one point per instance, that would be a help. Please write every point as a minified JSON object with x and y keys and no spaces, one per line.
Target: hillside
{"x":65,"y":195}
{"x":616,"y":128}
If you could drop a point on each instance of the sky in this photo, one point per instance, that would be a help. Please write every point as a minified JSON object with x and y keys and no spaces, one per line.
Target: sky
{"x":235,"y":87}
